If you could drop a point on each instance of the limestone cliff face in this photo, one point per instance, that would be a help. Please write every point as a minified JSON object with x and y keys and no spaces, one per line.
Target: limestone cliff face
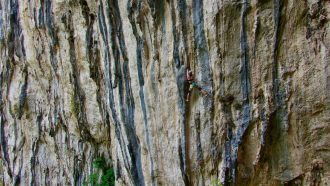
{"x":82,"y":79}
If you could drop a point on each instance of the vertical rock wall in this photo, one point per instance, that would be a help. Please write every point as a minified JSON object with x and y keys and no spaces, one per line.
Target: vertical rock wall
{"x":81,"y":79}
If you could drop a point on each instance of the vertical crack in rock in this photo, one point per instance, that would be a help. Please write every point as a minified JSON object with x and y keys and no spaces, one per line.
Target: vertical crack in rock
{"x":203,"y":63}
{"x":12,"y":46}
{"x":77,"y":167}
{"x":93,"y":56}
{"x":245,"y":76}
{"x":79,"y":94}
{"x":203,"y":58}
{"x":176,"y":38}
{"x":80,"y":163}
{"x":182,"y":8}
{"x":220,"y":65}
{"x":182,"y":163}
{"x":40,"y":15}
{"x":139,"y":50}
{"x":277,"y":144}
{"x":17,"y":178}
{"x":94,"y":59}
{"x":125,"y":93}
{"x":53,"y":45}
{"x":15,"y":47}
{"x":108,"y":82}
{"x":23,"y":94}
{"x":182,"y":86}
{"x":270,"y":125}
{"x":201,"y":48}
{"x":183,"y":122}
{"x":275,"y":75}
{"x":157,"y":11}
{"x":15,"y":37}
{"x":7,"y":72}
{"x":126,"y":101}
{"x":200,"y":157}
{"x":218,"y":24}
{"x":245,"y":88}
{"x":226,"y":105}
{"x":47,"y":179}
{"x":274,"y":123}
{"x":229,"y":166}
{"x":264,"y":125}
{"x":278,"y":93}
{"x":35,"y":149}
{"x":199,"y":149}
{"x":4,"y":145}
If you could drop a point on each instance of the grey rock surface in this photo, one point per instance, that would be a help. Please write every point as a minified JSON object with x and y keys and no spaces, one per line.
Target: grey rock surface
{"x":82,"y":79}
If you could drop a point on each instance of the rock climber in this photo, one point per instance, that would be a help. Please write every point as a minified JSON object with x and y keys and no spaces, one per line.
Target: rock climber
{"x":192,"y":84}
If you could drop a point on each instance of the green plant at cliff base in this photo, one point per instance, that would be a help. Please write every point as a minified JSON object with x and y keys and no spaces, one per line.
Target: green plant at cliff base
{"x":107,"y":174}
{"x":216,"y":183}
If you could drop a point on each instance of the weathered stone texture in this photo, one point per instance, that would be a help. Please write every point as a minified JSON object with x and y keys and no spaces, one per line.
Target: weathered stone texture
{"x":82,"y":79}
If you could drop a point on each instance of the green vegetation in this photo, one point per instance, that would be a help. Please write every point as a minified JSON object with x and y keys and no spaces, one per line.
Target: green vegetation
{"x":103,"y":176}
{"x":216,"y":183}
{"x":99,"y":163}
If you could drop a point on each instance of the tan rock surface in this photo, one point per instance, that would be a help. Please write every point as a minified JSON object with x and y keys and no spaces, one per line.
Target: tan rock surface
{"x":82,"y":79}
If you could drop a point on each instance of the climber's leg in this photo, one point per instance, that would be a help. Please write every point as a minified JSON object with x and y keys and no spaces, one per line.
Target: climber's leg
{"x":204,"y":92}
{"x":200,"y":89}
{"x":189,"y":91}
{"x":188,"y":96}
